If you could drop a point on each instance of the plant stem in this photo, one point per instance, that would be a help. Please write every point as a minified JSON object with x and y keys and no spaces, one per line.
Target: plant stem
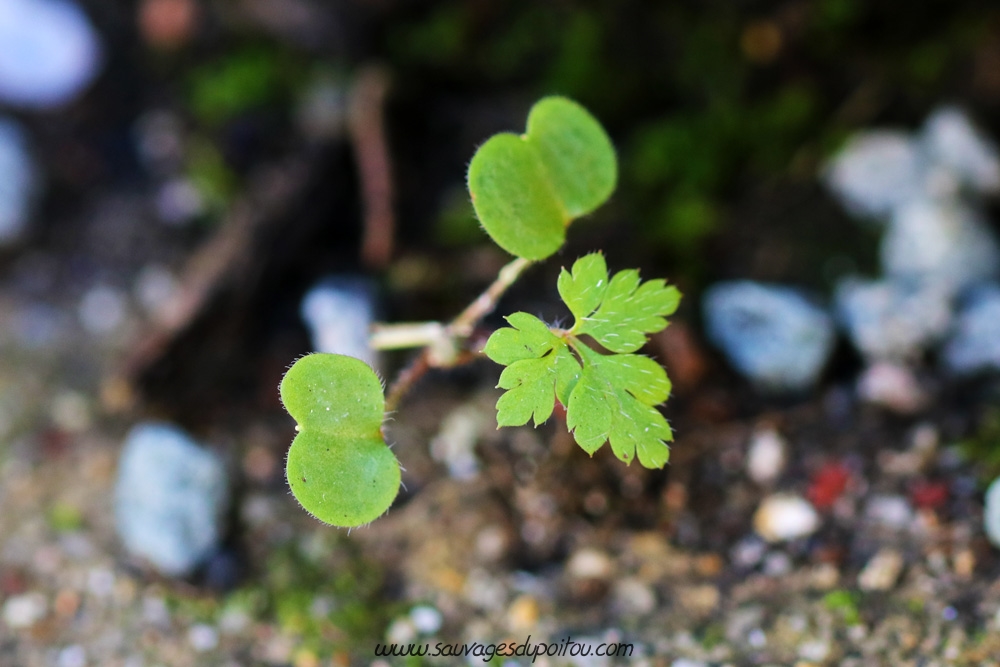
{"x":405,"y":380}
{"x":440,"y":343}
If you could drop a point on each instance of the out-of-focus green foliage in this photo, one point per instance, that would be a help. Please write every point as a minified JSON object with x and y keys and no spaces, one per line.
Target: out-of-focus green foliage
{"x":237,"y":82}
{"x":702,"y":99}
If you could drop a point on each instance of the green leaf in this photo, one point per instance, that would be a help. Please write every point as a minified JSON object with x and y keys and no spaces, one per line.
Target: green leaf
{"x":529,"y":339}
{"x":613,"y":402}
{"x":576,"y":151}
{"x":533,"y":384}
{"x":628,"y":312}
{"x":608,"y":398}
{"x":540,"y":368}
{"x":526,"y":189}
{"x":339,"y":467}
{"x":513,"y":198}
{"x":583,"y":289}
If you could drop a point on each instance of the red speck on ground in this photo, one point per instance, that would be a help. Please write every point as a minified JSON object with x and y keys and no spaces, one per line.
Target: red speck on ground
{"x":827,"y":485}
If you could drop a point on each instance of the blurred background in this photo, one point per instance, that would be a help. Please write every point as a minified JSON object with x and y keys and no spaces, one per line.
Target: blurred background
{"x":193,"y":193}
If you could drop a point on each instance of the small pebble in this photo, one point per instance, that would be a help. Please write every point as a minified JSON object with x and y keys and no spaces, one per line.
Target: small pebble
{"x":522,"y":614}
{"x":23,"y":611}
{"x":892,"y":386}
{"x":882,"y":571}
{"x":756,"y":638}
{"x":18,"y":180}
{"x":748,"y":552}
{"x":876,"y":172}
{"x":892,"y":319}
{"x":890,"y":511}
{"x":767,"y":456}
{"x":828,"y":484}
{"x":72,"y":656}
{"x":50,"y":52}
{"x":975,"y":344}
{"x":170,"y":498}
{"x":771,"y":334}
{"x":426,"y":619}
{"x":816,"y":650}
{"x":339,"y":312}
{"x":632,"y":597}
{"x":590,"y":563}
{"x":154,"y":287}
{"x":102,"y":310}
{"x":945,"y":243}
{"x":492,"y":543}
{"x":203,"y":637}
{"x":699,"y":600}
{"x":991,"y":512}
{"x":964,"y":562}
{"x":777,"y":564}
{"x":455,"y":443}
{"x":401,"y":631}
{"x":785,"y":516}
{"x":952,"y":141}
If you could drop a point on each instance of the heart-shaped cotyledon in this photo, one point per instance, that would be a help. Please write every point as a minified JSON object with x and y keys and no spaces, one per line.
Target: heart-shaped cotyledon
{"x":527,"y":188}
{"x":339,"y":467}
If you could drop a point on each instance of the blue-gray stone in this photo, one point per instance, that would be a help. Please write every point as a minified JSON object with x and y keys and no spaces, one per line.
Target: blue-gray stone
{"x":876,"y":172}
{"x":773,"y":335}
{"x":170,"y":498}
{"x":955,"y":144}
{"x":18,"y":180}
{"x":339,"y":311}
{"x":944,"y":242}
{"x":975,"y":343}
{"x":49,"y":52}
{"x":892,"y":319}
{"x":991,"y":513}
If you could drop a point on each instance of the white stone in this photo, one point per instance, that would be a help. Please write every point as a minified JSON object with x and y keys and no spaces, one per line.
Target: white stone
{"x":455,"y":444}
{"x":771,"y":334}
{"x":340,"y":312}
{"x":426,"y":619}
{"x":893,"y":319}
{"x":945,"y":243}
{"x":882,"y":571}
{"x":892,"y":386}
{"x":50,"y":52}
{"x":401,"y":631}
{"x":876,"y":172}
{"x":975,"y":343}
{"x":589,"y":563}
{"x":203,"y":637}
{"x":633,"y":597}
{"x":785,"y":516}
{"x":889,"y":511}
{"x":952,"y":141}
{"x":991,"y":512}
{"x":170,"y":498}
{"x":23,"y":611}
{"x":154,"y":287}
{"x":178,"y":202}
{"x":815,"y":650}
{"x":102,"y":309}
{"x":19,"y":182}
{"x":72,"y":656}
{"x":766,"y":456}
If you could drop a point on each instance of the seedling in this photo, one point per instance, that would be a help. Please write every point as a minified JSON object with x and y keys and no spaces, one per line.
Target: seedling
{"x":526,"y":190}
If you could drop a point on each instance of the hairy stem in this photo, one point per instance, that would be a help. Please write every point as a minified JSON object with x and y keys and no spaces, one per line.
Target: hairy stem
{"x":442,"y":345}
{"x":462,"y":326}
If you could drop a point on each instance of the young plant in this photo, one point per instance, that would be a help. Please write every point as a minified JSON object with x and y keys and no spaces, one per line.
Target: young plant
{"x":526,"y":190}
